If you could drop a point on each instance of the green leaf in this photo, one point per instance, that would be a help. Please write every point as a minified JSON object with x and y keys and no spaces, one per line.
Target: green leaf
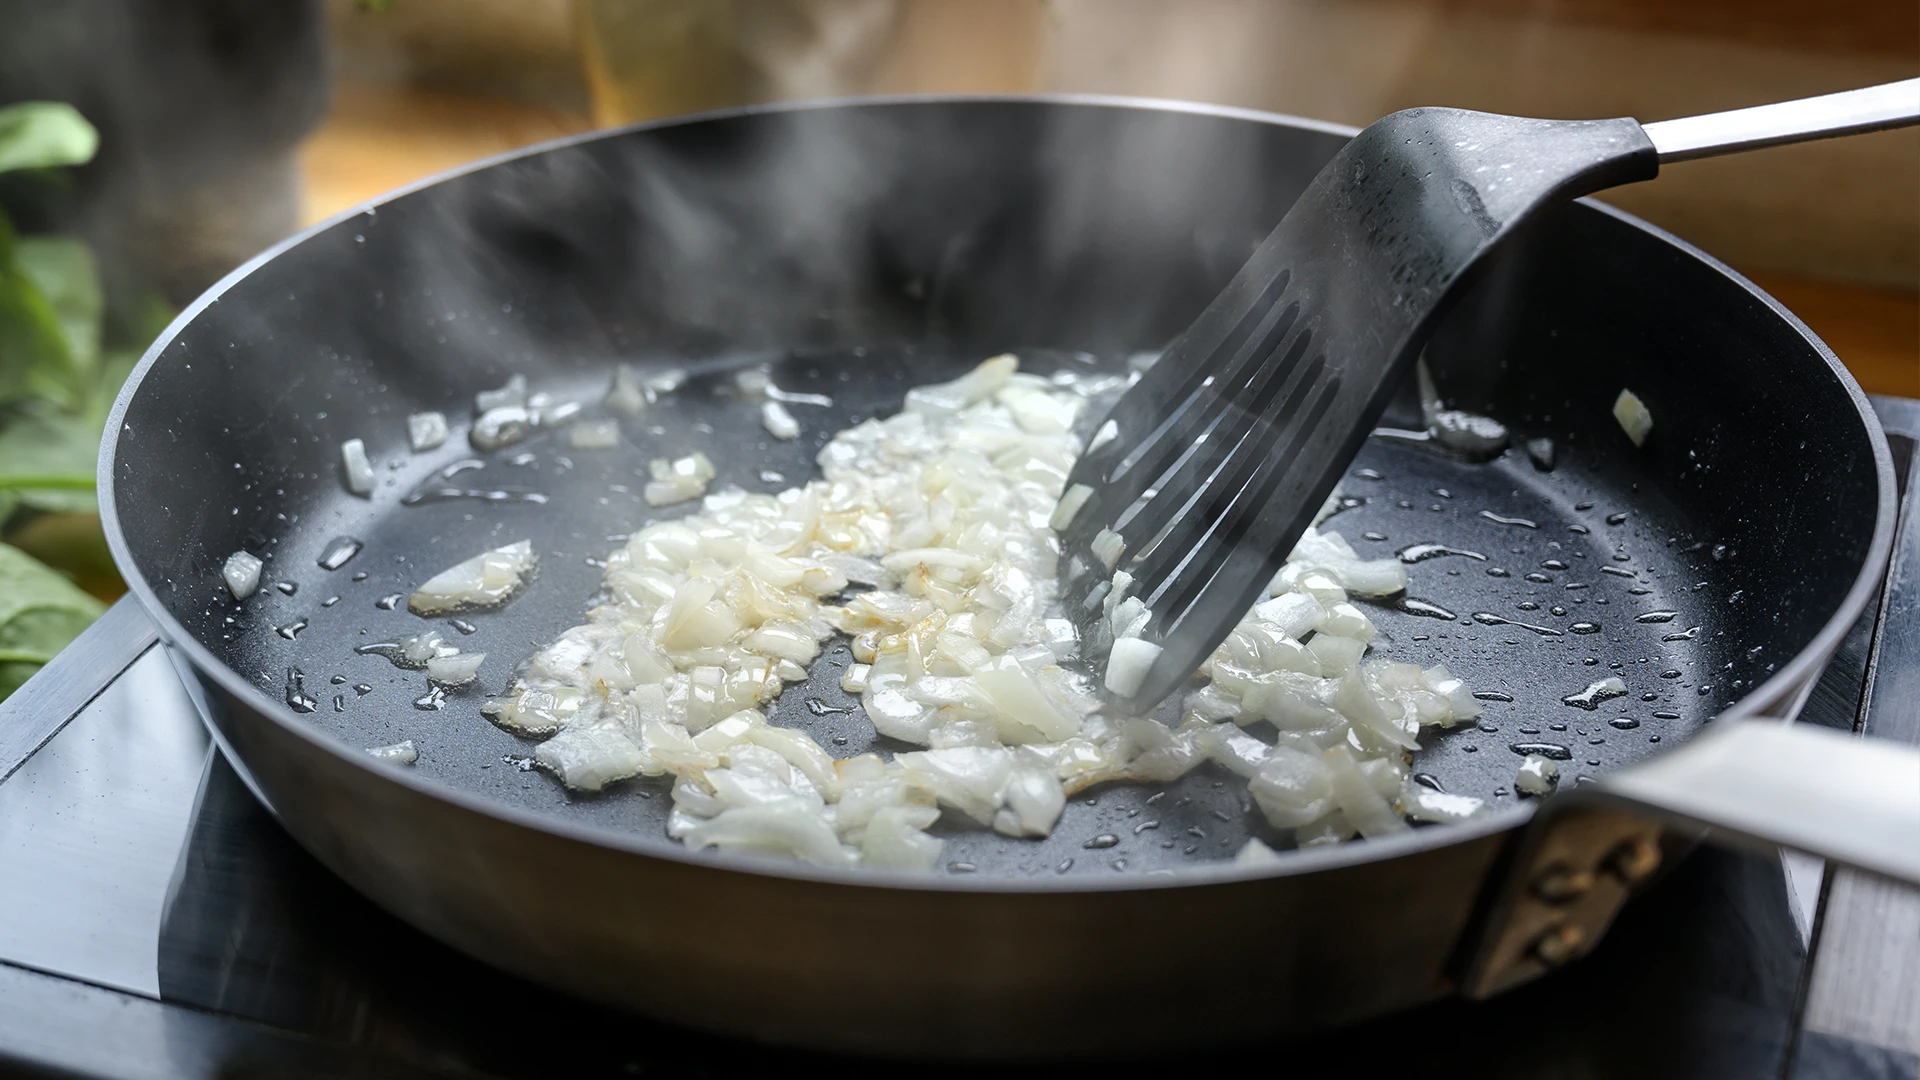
{"x":41,"y":134}
{"x":47,"y":458}
{"x":63,"y":270}
{"x":40,"y":613}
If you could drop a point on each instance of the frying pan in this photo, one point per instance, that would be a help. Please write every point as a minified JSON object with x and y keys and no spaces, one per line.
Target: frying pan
{"x":861,"y":248}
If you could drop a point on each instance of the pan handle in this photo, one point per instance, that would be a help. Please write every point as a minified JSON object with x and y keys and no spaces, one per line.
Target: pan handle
{"x":1767,"y":782}
{"x":1828,"y":793}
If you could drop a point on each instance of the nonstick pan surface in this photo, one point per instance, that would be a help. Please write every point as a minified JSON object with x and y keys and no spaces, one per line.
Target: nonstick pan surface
{"x":865,"y":248}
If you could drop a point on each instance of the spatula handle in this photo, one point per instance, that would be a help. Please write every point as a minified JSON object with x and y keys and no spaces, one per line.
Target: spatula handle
{"x":1873,"y":108}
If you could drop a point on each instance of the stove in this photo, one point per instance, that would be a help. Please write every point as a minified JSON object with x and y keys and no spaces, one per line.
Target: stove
{"x":156,"y":922}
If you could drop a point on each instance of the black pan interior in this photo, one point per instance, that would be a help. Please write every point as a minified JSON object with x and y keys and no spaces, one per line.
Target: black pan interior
{"x":863,"y":249}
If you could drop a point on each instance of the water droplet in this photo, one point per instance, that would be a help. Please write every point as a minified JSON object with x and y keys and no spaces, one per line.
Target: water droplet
{"x":362,"y":689}
{"x":1656,"y":617}
{"x":1583,"y":506}
{"x":1368,"y":474}
{"x":1539,"y":578}
{"x":339,"y":703}
{"x":287,"y":587}
{"x":297,"y":698}
{"x":1063,"y":866}
{"x":462,"y":625}
{"x":1553,"y":564}
{"x":1584,"y":628}
{"x":1666,"y":716}
{"x":1424,"y":609}
{"x":1494,"y":571}
{"x":1422,"y":552}
{"x":359,"y":575}
{"x":1488,"y":618}
{"x":1617,"y":572}
{"x":1144,"y":826}
{"x":1527,"y":605}
{"x":1557,"y":610}
{"x":1593,"y":695}
{"x":1624,"y":723}
{"x":1544,"y":749}
{"x":1498,"y":520}
{"x":1616,"y":519}
{"x":961,"y":868}
{"x":1104,"y":840}
{"x":338,"y":551}
{"x":292,"y":629}
{"x":1428,"y":780}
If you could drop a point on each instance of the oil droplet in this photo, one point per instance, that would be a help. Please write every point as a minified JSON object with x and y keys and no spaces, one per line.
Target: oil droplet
{"x":292,"y":629}
{"x":821,"y":708}
{"x":1424,"y":609}
{"x":462,"y":625}
{"x":524,"y":764}
{"x":1584,"y":628}
{"x":339,"y":703}
{"x":1656,"y":617}
{"x":1368,"y":474}
{"x":1670,"y":673}
{"x":1544,"y":749}
{"x":297,"y":698}
{"x":1422,"y":552}
{"x":1616,"y":519}
{"x":330,"y":601}
{"x":1063,"y":866}
{"x":1666,"y":716}
{"x":338,"y":551}
{"x":287,"y":587}
{"x":1517,"y":521}
{"x":1616,"y":571}
{"x":1488,"y":618}
{"x":1685,"y":635}
{"x":1527,"y":605}
{"x":362,"y":689}
{"x":389,"y":602}
{"x":1624,"y":723}
{"x":1428,"y":780}
{"x":1538,"y":578}
{"x":432,"y":701}
{"x":1553,"y":564}
{"x":1557,"y":610}
{"x":359,"y":575}
{"x":1104,"y":840}
{"x":1494,"y":571}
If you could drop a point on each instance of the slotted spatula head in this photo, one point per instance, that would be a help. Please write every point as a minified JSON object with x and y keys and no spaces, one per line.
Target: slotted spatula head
{"x":1214,"y":463}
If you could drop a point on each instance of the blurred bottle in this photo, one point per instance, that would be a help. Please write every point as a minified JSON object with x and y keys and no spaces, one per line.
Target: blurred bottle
{"x":199,"y":103}
{"x":651,"y":58}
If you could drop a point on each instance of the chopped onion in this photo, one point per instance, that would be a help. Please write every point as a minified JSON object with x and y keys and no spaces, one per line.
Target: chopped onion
{"x":1108,"y":546}
{"x":400,"y":753}
{"x":594,"y":435}
{"x":626,"y":396}
{"x":778,"y":421}
{"x":678,"y":480}
{"x":416,"y":651}
{"x":500,"y":427}
{"x":544,"y":411}
{"x":353,"y":455}
{"x":512,"y":395}
{"x":456,"y":670}
{"x":1255,"y":853}
{"x":1128,"y":664}
{"x":242,"y":574}
{"x":935,"y":525}
{"x":1633,"y":417}
{"x":1537,"y":775}
{"x":426,"y":431}
{"x":489,"y":579}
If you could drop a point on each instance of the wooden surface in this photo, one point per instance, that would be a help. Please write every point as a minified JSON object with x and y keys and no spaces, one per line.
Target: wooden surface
{"x":377,"y":138}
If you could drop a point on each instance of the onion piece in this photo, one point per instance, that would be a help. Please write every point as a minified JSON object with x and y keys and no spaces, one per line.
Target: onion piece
{"x":1537,"y":775}
{"x":1633,"y":417}
{"x":1128,"y":663}
{"x":400,"y":753}
{"x":594,"y":435}
{"x":778,"y":421}
{"x":1256,"y":853}
{"x":512,"y":395}
{"x":426,"y":431}
{"x":500,"y":427}
{"x":489,"y":579}
{"x":242,"y":574}
{"x":625,"y":396}
{"x":456,"y":670}
{"x":359,"y":471}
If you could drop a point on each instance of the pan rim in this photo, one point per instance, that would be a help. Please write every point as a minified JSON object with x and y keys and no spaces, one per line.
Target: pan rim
{"x":1781,"y":685}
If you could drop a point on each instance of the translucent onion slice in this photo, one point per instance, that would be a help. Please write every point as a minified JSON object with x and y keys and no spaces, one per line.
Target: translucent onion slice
{"x":489,"y":579}
{"x":426,"y":431}
{"x":359,"y":471}
{"x":242,"y":574}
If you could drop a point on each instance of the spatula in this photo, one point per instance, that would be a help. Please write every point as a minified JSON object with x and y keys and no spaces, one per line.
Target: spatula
{"x":1209,"y":469}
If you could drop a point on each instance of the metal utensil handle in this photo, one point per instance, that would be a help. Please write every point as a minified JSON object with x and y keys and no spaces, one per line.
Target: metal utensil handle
{"x":1825,"y":792}
{"x":1874,"y":108}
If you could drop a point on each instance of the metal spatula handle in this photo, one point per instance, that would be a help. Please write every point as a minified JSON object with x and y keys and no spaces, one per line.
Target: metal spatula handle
{"x":1873,"y":108}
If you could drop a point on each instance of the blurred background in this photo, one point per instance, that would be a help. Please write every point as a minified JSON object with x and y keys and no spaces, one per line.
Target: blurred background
{"x":149,"y":146}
